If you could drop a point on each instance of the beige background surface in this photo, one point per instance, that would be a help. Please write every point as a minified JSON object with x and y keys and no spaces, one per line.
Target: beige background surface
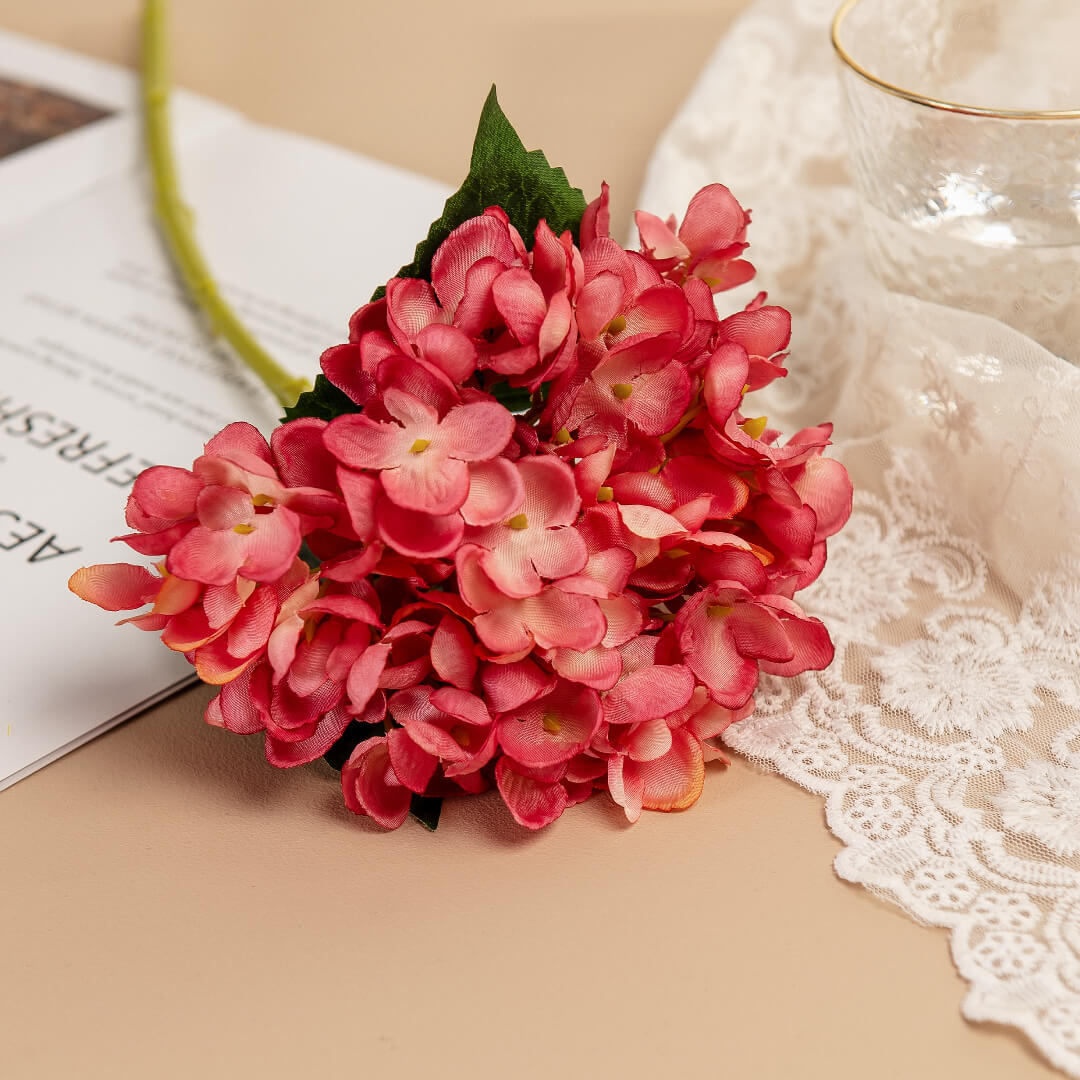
{"x":170,"y":906}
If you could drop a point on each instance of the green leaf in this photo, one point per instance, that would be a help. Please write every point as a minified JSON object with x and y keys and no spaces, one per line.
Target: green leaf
{"x":503,"y":173}
{"x":426,"y":810}
{"x":324,"y":402}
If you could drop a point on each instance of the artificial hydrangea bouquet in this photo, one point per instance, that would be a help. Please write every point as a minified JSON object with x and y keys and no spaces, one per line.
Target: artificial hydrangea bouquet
{"x":523,"y":532}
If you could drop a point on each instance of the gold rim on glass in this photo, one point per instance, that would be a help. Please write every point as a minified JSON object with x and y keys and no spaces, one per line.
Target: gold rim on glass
{"x":934,"y":103}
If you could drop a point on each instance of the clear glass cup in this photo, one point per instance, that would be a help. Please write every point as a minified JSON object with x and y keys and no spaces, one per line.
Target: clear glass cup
{"x":963,"y":120}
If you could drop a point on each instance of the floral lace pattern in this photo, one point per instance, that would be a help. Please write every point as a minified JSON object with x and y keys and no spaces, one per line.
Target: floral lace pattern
{"x":945,"y":738}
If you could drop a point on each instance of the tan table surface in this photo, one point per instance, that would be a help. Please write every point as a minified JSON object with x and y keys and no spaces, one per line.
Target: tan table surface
{"x":173,"y":907}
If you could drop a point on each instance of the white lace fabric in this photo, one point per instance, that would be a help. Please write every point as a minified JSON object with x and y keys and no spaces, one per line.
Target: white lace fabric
{"x":945,"y":738}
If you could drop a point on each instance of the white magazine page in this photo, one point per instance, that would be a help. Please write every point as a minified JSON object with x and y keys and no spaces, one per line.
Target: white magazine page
{"x":104,"y":370}
{"x":68,"y":121}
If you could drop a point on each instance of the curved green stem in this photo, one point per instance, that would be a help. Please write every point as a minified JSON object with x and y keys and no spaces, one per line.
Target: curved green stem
{"x":174,"y":217}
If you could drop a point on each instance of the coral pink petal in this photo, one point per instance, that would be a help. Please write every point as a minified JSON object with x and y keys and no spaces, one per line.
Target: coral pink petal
{"x":659,"y":400}
{"x":598,"y":303}
{"x":476,"y":311}
{"x":657,"y":240}
{"x":361,"y":494}
{"x":691,"y":476}
{"x":495,"y":492}
{"x":724,"y":272}
{"x":625,"y":785}
{"x":591,"y":472}
{"x":176,"y":595}
{"x":285,"y":754}
{"x":551,"y":729}
{"x":427,"y":482}
{"x":648,"y":740}
{"x":520,"y":301}
{"x":476,"y":432}
{"x":758,"y":633}
{"x":763,"y":331}
{"x":240,"y":707}
{"x":250,"y":630}
{"x":223,"y":507}
{"x":809,"y":639}
{"x":660,"y":309}
{"x":165,"y":492}
{"x":449,"y":350}
{"x":649,"y":693}
{"x":453,"y":653}
{"x":825,"y":487}
{"x":550,"y":260}
{"x":596,"y":221}
{"x":115,"y":586}
{"x":422,"y":380}
{"x":644,"y":488}
{"x":236,"y":440}
{"x":674,"y":781}
{"x":300,"y":456}
{"x":508,"y":686}
{"x":462,"y":705}
{"x":726,"y":375}
{"x":410,"y":307}
{"x":371,"y":786}
{"x":363,"y":443}
{"x":364,"y":675}
{"x":551,"y":496}
{"x":213,"y":558}
{"x":345,"y":606}
{"x":533,"y":803}
{"x":562,"y":620}
{"x":411,"y":763}
{"x":714,"y":219}
{"x":343,"y":366}
{"x":478,"y":238}
{"x":598,"y":667}
{"x":557,"y":326}
{"x":419,"y":535}
{"x":650,"y":523}
{"x":624,"y":620}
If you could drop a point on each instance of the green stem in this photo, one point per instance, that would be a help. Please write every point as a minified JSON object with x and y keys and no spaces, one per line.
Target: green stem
{"x":174,"y":218}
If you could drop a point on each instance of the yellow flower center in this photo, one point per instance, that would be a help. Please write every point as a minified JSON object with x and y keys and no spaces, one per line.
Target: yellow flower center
{"x":243,"y":529}
{"x":551,"y":724}
{"x":419,"y":446}
{"x":617,"y":325}
{"x":462,"y":734}
{"x":261,"y":500}
{"x":605,"y":494}
{"x":518,"y":521}
{"x":718,"y":611}
{"x":622,"y":390}
{"x":562,"y":436}
{"x":755,"y":427}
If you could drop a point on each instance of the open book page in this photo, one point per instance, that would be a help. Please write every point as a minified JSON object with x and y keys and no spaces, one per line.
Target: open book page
{"x":104,"y":370}
{"x":69,"y":121}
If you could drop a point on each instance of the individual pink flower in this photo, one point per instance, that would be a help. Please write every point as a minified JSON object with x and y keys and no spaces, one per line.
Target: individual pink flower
{"x":466,"y":264}
{"x":708,"y":243}
{"x":637,"y":386}
{"x":422,"y":460}
{"x":447,"y":727}
{"x":511,"y":627}
{"x":726,"y":631}
{"x":536,"y":540}
{"x":553,"y":728}
{"x":231,"y":515}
